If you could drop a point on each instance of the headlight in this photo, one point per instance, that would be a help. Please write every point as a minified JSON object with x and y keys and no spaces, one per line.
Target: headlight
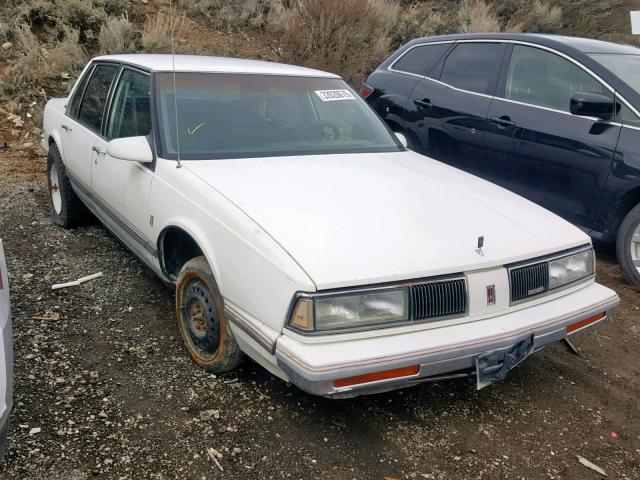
{"x":565,"y":270}
{"x":352,"y":310}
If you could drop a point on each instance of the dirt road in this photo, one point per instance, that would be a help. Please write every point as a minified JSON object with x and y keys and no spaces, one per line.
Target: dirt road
{"x":115,"y":395}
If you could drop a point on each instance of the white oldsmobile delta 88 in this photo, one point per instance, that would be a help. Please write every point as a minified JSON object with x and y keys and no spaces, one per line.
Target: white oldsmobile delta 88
{"x":299,"y":230}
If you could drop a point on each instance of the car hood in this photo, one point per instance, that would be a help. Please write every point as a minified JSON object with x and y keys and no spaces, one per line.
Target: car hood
{"x":357,"y":219}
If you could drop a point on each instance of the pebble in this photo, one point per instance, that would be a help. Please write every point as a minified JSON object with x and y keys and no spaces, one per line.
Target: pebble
{"x":7,"y":45}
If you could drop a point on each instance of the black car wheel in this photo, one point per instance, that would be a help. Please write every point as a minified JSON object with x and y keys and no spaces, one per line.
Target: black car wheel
{"x":628,"y":246}
{"x":200,"y":312}
{"x":67,"y":210}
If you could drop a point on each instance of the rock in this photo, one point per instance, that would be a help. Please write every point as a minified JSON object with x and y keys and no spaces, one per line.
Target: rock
{"x":7,"y":45}
{"x":207,"y":415}
{"x":34,"y":431}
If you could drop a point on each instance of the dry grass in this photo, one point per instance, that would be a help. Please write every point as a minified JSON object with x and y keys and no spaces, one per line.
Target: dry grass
{"x":477,"y":16}
{"x":156,"y":34}
{"x":543,"y":18}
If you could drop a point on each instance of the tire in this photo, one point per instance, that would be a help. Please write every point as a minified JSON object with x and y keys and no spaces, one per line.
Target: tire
{"x":200,"y":314}
{"x":628,"y":246}
{"x":67,"y":210}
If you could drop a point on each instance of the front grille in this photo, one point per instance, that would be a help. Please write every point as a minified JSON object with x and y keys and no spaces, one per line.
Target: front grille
{"x":529,"y":280}
{"x":440,"y":298}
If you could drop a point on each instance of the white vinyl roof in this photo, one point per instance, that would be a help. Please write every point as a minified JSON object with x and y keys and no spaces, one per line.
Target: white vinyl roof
{"x":201,"y":63}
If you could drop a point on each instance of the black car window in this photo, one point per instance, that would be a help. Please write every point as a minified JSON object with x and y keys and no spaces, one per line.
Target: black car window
{"x":543,"y":78}
{"x":473,"y":66}
{"x":421,"y":60}
{"x":130,"y":113}
{"x":626,"y":116}
{"x":95,"y":96}
{"x":74,"y":104}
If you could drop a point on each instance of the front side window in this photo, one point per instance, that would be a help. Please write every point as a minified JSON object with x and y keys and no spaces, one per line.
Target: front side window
{"x":130,"y":113}
{"x":421,"y":60}
{"x":95,"y":96}
{"x":473,"y":66}
{"x":242,"y":116}
{"x":545,"y":79}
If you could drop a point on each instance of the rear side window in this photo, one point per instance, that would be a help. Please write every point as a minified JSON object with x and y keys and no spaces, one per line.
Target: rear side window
{"x":421,"y":60}
{"x":95,"y":96}
{"x":473,"y":66}
{"x":77,"y":95}
{"x":545,"y":79}
{"x":130,"y":114}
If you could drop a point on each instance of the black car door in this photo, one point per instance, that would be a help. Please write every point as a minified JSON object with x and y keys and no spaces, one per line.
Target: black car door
{"x":537,"y":148}
{"x":448,"y":113}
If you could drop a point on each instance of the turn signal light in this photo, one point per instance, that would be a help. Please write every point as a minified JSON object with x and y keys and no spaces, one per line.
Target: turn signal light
{"x":376,"y":376}
{"x":583,"y":323}
{"x":302,"y":315}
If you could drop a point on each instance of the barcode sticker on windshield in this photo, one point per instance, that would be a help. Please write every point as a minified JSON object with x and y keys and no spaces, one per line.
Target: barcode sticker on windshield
{"x":334,"y":95}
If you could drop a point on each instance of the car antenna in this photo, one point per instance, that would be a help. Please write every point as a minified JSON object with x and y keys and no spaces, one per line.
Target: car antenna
{"x":175,"y":90}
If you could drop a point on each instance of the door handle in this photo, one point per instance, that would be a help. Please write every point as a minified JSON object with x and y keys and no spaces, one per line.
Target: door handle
{"x":98,"y":150}
{"x":423,"y":103}
{"x":503,"y":121}
{"x":66,"y":128}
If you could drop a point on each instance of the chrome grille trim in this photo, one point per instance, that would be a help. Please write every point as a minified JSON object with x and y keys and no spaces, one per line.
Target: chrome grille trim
{"x":438,"y":298}
{"x":529,"y":280}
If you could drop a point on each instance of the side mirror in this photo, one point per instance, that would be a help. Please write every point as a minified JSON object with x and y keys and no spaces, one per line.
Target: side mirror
{"x":402,"y":138}
{"x":131,"y":149}
{"x":592,"y":105}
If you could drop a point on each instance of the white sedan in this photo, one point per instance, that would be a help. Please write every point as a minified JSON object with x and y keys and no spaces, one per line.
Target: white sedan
{"x":6,"y":354}
{"x":299,"y":230}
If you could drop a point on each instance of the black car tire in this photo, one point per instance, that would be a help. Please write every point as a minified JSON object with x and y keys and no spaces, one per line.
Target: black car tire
{"x":201,"y":321}
{"x":67,"y":210}
{"x":630,"y":226}
{"x":4,"y":433}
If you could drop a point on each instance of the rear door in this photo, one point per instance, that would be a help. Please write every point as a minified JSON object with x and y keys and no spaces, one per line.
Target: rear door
{"x":559,"y":160}
{"x":83,"y":122}
{"x":449,"y":112}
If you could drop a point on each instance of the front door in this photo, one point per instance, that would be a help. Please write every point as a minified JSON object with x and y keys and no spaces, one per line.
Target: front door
{"x":449,"y":113}
{"x":122,"y":186}
{"x":558,"y":160}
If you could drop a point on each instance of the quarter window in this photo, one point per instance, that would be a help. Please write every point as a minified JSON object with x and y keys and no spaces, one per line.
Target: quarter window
{"x":421,"y":60}
{"x":473,"y":66}
{"x":77,"y":95}
{"x":545,"y":79}
{"x":130,"y":114}
{"x":95,"y":96}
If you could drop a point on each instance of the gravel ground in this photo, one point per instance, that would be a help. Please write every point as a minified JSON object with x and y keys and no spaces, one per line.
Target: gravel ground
{"x":104,"y":388}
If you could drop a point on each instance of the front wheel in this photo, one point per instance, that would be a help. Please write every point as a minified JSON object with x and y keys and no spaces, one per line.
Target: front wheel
{"x":200,"y":312}
{"x":628,"y":246}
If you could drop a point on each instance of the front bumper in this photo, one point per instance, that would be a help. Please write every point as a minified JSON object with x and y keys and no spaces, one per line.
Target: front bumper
{"x":444,"y":352}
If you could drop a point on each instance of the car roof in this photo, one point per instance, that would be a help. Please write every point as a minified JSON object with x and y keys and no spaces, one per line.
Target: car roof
{"x":561,"y":42}
{"x":206,"y":64}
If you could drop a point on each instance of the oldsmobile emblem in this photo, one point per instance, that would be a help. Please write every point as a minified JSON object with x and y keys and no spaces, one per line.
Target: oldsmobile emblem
{"x":491,"y":294}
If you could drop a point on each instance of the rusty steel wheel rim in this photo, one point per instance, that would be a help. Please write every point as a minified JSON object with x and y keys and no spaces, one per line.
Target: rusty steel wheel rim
{"x":199,"y":318}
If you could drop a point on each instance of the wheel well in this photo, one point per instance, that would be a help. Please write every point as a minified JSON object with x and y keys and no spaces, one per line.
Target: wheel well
{"x":176,"y":247}
{"x":627,"y":202}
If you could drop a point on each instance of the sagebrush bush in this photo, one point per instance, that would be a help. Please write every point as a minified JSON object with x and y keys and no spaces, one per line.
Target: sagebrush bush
{"x":85,"y":17}
{"x":117,"y":35}
{"x":477,"y":16}
{"x":156,"y":34}
{"x":542,"y":17}
{"x":349,"y":37}
{"x":114,"y":7}
{"x":418,"y":20}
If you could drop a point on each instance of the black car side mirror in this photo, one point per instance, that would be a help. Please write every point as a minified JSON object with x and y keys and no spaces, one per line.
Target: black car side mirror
{"x":592,"y":105}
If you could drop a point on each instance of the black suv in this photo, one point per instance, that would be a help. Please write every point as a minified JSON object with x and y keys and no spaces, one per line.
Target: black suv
{"x":554,"y":119}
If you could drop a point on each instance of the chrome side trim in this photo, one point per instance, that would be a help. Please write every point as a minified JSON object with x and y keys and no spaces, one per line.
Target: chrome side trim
{"x":517,"y":42}
{"x":77,"y":184}
{"x":260,"y":333}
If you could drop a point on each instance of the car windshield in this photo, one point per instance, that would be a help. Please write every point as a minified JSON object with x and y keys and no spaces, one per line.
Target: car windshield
{"x":240,"y":116}
{"x":626,"y":67}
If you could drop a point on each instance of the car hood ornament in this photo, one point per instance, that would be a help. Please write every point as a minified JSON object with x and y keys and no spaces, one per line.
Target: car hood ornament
{"x":480,"y":246}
